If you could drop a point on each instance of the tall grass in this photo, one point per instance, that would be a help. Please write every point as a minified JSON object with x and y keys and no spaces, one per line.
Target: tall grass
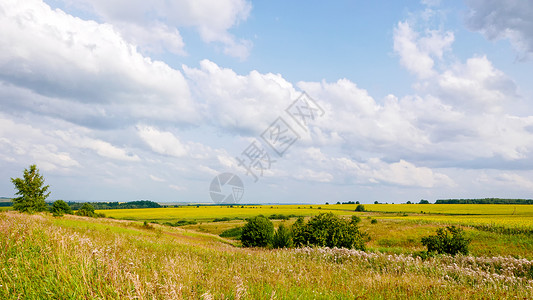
{"x":76,"y":257}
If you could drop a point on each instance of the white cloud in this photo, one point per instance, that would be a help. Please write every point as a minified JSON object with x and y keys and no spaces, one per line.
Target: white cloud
{"x":68,"y":64}
{"x":503,"y":20}
{"x":417,"y":53}
{"x":157,"y":179}
{"x":242,"y":103}
{"x":162,"y":142}
{"x":211,"y":18}
{"x":177,"y":187}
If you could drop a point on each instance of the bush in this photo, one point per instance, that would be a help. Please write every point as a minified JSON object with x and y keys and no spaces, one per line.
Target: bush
{"x":60,"y":208}
{"x":360,"y":207}
{"x":328,"y":230}
{"x":374,"y":221}
{"x":278,"y":217}
{"x":282,"y":238}
{"x":87,"y":210}
{"x":258,"y":232}
{"x":449,"y":240}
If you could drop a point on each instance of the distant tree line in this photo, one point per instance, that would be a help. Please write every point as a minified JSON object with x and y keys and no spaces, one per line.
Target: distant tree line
{"x":116,"y":205}
{"x":485,"y":201}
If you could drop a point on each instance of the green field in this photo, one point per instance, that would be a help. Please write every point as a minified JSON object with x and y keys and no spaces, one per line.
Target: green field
{"x":75,"y":257}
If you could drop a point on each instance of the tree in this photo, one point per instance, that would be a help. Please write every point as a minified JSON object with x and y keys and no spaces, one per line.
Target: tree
{"x":31,"y":190}
{"x":282,"y":238}
{"x":258,"y":232}
{"x":449,"y":240}
{"x":423,"y":202}
{"x":360,"y":207}
{"x":60,"y":208}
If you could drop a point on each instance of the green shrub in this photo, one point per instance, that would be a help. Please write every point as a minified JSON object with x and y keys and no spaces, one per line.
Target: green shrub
{"x":360,"y":207}
{"x":374,"y":221}
{"x":449,"y":240}
{"x":258,"y":232}
{"x":282,"y":237}
{"x":60,"y":208}
{"x":278,"y":217}
{"x":87,"y":210}
{"x":328,"y":230}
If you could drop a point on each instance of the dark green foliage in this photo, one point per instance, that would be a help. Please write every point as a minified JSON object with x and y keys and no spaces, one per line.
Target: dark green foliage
{"x":328,"y":230}
{"x":360,"y":207}
{"x":181,"y":223}
{"x":31,"y":190}
{"x":258,"y":232}
{"x":87,"y":210}
{"x":60,"y":208}
{"x":282,"y":237}
{"x":449,"y":240}
{"x":234,"y":233}
{"x":375,"y":202}
{"x":117,"y":205}
{"x":356,"y":219}
{"x":374,"y":221}
{"x":485,"y":201}
{"x":423,"y":202}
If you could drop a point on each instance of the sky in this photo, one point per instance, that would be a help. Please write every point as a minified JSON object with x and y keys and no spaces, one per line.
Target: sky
{"x":304,"y":101}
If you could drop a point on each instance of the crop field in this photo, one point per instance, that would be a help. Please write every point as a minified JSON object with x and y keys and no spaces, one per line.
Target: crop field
{"x":209,"y":213}
{"x":71,"y":257}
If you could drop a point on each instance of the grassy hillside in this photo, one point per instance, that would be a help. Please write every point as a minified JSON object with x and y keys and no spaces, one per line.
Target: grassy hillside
{"x":76,"y":257}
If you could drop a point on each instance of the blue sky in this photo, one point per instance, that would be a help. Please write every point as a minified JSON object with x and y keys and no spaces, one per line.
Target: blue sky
{"x":130,"y":100}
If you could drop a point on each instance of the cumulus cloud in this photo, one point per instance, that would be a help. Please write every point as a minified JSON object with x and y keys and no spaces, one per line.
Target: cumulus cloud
{"x":53,"y":62}
{"x":211,"y":18}
{"x":503,"y":20}
{"x":243,"y":103}
{"x":417,"y":53}
{"x":162,"y":142}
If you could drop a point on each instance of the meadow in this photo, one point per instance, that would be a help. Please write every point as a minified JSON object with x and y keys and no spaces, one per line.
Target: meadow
{"x":399,"y":229}
{"x":72,"y":257}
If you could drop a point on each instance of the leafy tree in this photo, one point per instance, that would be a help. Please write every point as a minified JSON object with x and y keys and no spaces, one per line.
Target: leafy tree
{"x":423,"y":202}
{"x":360,"y":207}
{"x":449,"y":240}
{"x":31,"y":190}
{"x":258,"y":232}
{"x":328,"y":230}
{"x":282,"y":237}
{"x":60,"y":208}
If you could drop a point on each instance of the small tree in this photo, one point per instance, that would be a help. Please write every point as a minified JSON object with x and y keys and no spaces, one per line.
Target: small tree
{"x":360,"y":207}
{"x":258,"y":232}
{"x":282,"y":238}
{"x":423,"y":202}
{"x":449,"y":240}
{"x":31,"y":190}
{"x":60,"y":208}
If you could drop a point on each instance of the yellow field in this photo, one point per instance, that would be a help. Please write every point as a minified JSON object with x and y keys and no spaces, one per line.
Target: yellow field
{"x":208,"y":213}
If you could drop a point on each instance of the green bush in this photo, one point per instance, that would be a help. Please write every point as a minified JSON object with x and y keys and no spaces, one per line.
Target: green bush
{"x":282,"y":237}
{"x":449,"y":240}
{"x":258,"y":232}
{"x":360,"y":207}
{"x":87,"y":210}
{"x":328,"y":230}
{"x":60,"y":208}
{"x":374,"y":221}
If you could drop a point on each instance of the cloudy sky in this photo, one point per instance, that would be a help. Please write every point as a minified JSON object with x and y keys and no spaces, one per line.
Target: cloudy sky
{"x":132,"y":99}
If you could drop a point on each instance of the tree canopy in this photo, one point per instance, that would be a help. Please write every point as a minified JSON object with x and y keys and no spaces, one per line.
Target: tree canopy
{"x":31,"y":190}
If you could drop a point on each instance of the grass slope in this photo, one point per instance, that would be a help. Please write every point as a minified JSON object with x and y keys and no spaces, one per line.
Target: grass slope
{"x":75,"y":257}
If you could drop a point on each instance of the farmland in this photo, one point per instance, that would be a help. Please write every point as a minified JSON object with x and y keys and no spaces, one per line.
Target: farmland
{"x":80,"y":257}
{"x":399,"y":229}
